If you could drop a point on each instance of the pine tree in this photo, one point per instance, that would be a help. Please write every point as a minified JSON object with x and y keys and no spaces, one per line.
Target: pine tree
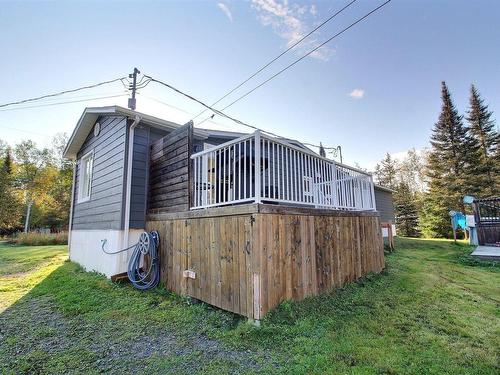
{"x":446,"y":169}
{"x":386,"y":172}
{"x":7,"y":162}
{"x":10,"y":207}
{"x":484,"y":146}
{"x":405,"y":210}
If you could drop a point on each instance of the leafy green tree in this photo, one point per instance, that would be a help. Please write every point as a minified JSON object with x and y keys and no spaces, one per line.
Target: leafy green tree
{"x":58,"y":207}
{"x":411,"y":171}
{"x":485,"y":165}
{"x":446,"y":169}
{"x":32,"y":176}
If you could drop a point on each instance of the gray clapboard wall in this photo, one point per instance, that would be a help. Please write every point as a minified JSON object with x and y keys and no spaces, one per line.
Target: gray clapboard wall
{"x":104,"y":210}
{"x":385,"y":204}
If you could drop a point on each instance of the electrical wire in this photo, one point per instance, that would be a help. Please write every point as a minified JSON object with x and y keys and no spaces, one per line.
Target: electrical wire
{"x":280,"y":55}
{"x":303,"y":57}
{"x":222,"y":114}
{"x":24,"y":131}
{"x":164,"y":103}
{"x":60,"y":103}
{"x":71,"y":97}
{"x":62,"y":92}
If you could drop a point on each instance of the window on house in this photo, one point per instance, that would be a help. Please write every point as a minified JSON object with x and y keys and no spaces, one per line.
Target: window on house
{"x":85,"y":181}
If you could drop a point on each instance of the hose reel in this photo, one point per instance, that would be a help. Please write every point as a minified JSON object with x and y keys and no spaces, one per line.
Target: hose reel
{"x":140,"y":277}
{"x":145,"y":251}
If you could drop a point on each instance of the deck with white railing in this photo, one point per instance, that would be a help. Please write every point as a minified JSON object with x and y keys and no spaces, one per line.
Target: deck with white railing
{"x":259,"y":168}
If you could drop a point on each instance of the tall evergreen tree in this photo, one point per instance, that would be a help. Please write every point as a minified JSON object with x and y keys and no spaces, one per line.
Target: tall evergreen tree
{"x":446,"y":169}
{"x":10,"y":207}
{"x":7,"y":162}
{"x":485,"y":142}
{"x":386,"y":172}
{"x":405,"y":210}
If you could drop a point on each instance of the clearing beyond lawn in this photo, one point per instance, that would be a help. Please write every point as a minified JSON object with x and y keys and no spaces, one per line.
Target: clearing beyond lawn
{"x":434,"y":310}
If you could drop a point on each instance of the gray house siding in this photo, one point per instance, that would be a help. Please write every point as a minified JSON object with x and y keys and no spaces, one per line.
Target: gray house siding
{"x":385,"y":204}
{"x":104,"y":209}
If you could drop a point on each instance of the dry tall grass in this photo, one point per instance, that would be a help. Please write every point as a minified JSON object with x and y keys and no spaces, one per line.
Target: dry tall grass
{"x":41,"y":239}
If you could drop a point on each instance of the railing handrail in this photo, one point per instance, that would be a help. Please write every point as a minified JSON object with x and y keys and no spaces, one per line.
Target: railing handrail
{"x":297,"y":148}
{"x":282,"y":142}
{"x":223,"y":145}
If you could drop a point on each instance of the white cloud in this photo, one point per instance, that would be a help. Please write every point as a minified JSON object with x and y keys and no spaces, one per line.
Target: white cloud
{"x":313,"y":10}
{"x":292,"y":22}
{"x":225,"y":9}
{"x":357,"y":93}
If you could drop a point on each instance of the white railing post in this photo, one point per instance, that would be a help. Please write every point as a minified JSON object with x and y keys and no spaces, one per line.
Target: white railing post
{"x":335,"y":194}
{"x":372,"y":188}
{"x":257,"y":167}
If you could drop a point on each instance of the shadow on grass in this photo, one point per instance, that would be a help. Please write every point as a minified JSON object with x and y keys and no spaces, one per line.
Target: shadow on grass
{"x":78,"y":321}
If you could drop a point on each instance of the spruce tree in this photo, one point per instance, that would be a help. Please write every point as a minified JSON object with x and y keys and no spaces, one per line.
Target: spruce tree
{"x":7,"y":162}
{"x":485,"y":166}
{"x":386,"y":172}
{"x":446,"y":169}
{"x":10,"y":208}
{"x":405,"y":211}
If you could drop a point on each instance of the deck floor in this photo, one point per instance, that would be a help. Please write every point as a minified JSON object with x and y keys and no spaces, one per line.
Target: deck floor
{"x":487,"y":252}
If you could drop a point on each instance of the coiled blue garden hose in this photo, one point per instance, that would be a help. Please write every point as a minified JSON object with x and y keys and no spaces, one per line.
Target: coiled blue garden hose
{"x":139,"y":277}
{"x":147,"y":245}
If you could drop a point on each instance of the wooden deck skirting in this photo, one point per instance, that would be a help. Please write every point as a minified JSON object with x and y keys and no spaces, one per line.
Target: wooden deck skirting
{"x":249,"y":258}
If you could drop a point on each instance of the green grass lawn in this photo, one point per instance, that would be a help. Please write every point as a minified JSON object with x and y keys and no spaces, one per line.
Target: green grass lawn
{"x":432,"y":311}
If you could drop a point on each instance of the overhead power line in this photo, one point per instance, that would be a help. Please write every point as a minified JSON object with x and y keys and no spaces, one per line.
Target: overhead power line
{"x":303,"y":57}
{"x":220,"y":113}
{"x":281,"y":54}
{"x":24,"y":131}
{"x":62,"y":92}
{"x":65,"y":102}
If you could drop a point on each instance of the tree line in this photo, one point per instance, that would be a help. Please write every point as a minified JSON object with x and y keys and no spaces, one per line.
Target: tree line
{"x":463,"y":159}
{"x":35,"y":186}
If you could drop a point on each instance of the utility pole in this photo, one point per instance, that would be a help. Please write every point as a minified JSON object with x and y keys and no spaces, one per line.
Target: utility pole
{"x":132,"y":87}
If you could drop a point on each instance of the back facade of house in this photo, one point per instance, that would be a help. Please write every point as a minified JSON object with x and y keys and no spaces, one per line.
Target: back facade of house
{"x":213,"y":196}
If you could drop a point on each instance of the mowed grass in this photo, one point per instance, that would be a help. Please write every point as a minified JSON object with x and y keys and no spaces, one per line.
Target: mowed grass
{"x":434,"y":310}
{"x":23,"y":267}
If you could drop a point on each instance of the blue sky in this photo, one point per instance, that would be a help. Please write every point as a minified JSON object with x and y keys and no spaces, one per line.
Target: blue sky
{"x":392,"y":64}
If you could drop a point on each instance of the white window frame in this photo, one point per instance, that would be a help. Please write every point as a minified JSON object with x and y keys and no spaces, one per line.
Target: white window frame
{"x":81,"y":197}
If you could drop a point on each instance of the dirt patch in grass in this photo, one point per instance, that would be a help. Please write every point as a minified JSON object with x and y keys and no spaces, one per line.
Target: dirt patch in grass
{"x":38,"y":339}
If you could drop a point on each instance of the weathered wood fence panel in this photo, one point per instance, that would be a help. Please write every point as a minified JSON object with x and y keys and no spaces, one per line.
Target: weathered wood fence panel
{"x":251,"y":262}
{"x":169,"y":177}
{"x":487,"y":215}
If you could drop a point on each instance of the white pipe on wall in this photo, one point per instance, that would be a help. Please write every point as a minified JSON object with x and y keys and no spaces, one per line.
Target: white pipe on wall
{"x":128,"y":192}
